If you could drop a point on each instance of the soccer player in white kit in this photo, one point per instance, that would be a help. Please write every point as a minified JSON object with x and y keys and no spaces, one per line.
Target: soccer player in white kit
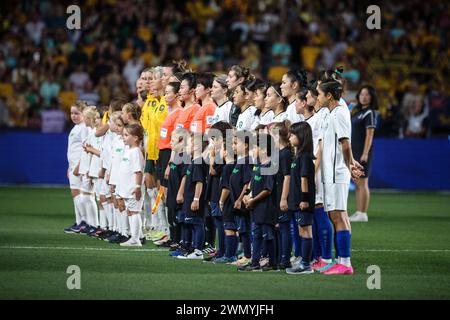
{"x":87,"y":187}
{"x":94,"y":147}
{"x":337,"y":167}
{"x":74,"y":149}
{"x":219,"y":92}
{"x":130,"y":186}
{"x":291,"y":83}
{"x":244,"y":101}
{"x":277,"y":103}
{"x":264,"y":115}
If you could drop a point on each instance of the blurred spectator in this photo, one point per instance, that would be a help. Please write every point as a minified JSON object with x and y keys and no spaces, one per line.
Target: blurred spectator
{"x":49,"y":89}
{"x":89,"y":94}
{"x":132,"y":69}
{"x":53,"y":120}
{"x":405,"y":61}
{"x":78,"y":78}
{"x":417,"y":120}
{"x":281,"y":50}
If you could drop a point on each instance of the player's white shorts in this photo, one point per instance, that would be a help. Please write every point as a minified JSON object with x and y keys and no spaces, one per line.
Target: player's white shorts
{"x":105,"y":189}
{"x":133,"y":205}
{"x":335,"y":196}
{"x":74,"y":181}
{"x":87,"y":185}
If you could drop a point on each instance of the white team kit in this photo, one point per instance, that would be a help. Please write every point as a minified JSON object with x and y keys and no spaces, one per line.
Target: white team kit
{"x":335,"y":174}
{"x":222,"y":112}
{"x":281,"y":117}
{"x":316,"y":122}
{"x":132,"y":161}
{"x":117,"y":150}
{"x":77,"y":135}
{"x":292,"y":115}
{"x":264,"y":119}
{"x":105,"y":157}
{"x":96,"y":162}
{"x":246,"y":119}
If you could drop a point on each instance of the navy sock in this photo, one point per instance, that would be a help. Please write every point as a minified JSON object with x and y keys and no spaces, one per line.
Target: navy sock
{"x":295,"y":238}
{"x":246,"y":245}
{"x":220,"y":236}
{"x":307,"y":244}
{"x":317,"y":250}
{"x":343,"y":241}
{"x":229,"y":246}
{"x":324,"y":231}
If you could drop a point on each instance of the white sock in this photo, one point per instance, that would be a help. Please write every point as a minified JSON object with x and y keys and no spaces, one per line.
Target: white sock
{"x":77,"y":210}
{"x":125,"y":223}
{"x":91,"y":210}
{"x":117,"y":225}
{"x":357,"y":212}
{"x":364,"y":213}
{"x":81,"y":207}
{"x":95,"y":210}
{"x":110,"y":215}
{"x":326,"y":260}
{"x":136,"y":226}
{"x":345,"y":261}
{"x":102,"y":217}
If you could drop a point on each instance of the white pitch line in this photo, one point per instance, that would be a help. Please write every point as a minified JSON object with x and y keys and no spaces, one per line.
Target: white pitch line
{"x":165,"y":250}
{"x":83,"y":248}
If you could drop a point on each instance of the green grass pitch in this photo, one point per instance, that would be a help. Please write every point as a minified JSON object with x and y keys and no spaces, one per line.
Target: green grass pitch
{"x":407,"y":237}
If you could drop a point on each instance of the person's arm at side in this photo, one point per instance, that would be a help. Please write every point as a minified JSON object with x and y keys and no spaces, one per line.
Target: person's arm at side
{"x":285,"y":193}
{"x":259,"y":197}
{"x":304,"y":187}
{"x":223,"y":197}
{"x":198,"y":191}
{"x":180,"y":195}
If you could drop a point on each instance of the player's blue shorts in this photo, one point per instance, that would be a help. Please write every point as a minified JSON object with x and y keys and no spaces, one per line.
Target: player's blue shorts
{"x":304,"y":218}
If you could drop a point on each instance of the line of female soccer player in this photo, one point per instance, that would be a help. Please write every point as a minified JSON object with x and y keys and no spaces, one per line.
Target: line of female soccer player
{"x":225,"y":169}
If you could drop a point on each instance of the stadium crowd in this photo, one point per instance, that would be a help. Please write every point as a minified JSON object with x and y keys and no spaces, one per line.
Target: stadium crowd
{"x":43,"y":65}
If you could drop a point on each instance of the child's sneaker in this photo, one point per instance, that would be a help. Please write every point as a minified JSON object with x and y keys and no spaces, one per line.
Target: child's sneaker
{"x":250,"y":267}
{"x":264,"y":262}
{"x":184,"y":255}
{"x":243,"y":261}
{"x":131,"y":243}
{"x":123,"y":239}
{"x":299,"y":269}
{"x":339,"y":269}
{"x":196,"y":255}
{"x":224,"y":259}
{"x":72,"y":229}
{"x":208,"y":249}
{"x":161,"y":241}
{"x":269,"y":268}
